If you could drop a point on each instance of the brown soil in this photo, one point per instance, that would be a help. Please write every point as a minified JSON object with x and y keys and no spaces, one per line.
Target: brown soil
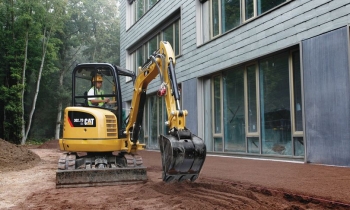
{"x":14,"y":157}
{"x":28,"y":182}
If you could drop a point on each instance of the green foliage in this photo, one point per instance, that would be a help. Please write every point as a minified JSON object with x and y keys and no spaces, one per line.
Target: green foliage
{"x":68,"y":27}
{"x":36,"y":141}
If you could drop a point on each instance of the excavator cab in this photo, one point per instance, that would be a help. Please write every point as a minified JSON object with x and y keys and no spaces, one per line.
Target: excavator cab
{"x":85,"y":77}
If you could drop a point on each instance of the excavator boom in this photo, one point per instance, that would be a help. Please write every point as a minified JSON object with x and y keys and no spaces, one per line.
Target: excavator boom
{"x":183,"y":153}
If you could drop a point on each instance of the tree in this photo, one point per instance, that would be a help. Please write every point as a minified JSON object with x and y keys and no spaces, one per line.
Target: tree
{"x":103,"y":45}
{"x":50,"y":22}
{"x":90,"y":25}
{"x":16,"y":26}
{"x":41,"y":40}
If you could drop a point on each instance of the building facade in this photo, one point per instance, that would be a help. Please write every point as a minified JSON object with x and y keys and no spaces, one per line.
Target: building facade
{"x":259,"y":78}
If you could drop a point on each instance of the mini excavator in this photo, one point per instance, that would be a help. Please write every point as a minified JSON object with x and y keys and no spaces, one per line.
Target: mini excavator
{"x":100,"y":140}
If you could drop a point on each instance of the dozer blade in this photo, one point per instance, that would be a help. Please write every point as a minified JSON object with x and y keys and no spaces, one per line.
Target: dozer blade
{"x":99,"y":177}
{"x":182,"y":159}
{"x":99,"y":170}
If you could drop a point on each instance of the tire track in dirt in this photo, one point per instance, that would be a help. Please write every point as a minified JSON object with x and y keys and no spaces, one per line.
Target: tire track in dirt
{"x":209,"y":196}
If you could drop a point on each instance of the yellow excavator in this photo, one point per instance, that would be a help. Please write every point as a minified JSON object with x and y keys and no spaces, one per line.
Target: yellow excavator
{"x":100,"y":140}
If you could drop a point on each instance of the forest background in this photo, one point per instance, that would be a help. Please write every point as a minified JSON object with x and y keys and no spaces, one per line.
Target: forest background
{"x":41,"y":42}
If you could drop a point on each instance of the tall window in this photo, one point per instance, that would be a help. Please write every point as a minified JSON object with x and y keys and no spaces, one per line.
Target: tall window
{"x":275,"y":105}
{"x":217,"y":114}
{"x":228,"y":14}
{"x":170,"y":34}
{"x":233,"y":104}
{"x":257,"y":108}
{"x":154,"y":121}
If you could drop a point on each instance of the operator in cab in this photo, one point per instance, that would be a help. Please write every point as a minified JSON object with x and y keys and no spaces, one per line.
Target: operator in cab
{"x":96,"y":90}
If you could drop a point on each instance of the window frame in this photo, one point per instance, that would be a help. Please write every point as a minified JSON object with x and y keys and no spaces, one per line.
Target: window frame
{"x":146,"y":8}
{"x":217,"y":135}
{"x":292,"y":93}
{"x":243,"y":19}
{"x":145,"y":45}
{"x":257,"y":98}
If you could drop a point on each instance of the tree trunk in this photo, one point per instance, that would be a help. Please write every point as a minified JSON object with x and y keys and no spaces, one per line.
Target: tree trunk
{"x":45,"y":43}
{"x":59,"y":109}
{"x":24,"y":138}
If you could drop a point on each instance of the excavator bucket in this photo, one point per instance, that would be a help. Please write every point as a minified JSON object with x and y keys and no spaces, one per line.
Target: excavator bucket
{"x":182,"y":159}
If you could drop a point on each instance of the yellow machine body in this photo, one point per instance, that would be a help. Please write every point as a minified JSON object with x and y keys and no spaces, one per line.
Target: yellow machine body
{"x":93,"y":130}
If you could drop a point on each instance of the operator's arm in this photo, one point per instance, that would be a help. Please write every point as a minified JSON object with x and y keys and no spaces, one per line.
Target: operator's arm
{"x":96,"y":101}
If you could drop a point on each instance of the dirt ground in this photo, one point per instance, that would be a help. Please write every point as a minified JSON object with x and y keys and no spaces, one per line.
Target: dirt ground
{"x":27,"y":181}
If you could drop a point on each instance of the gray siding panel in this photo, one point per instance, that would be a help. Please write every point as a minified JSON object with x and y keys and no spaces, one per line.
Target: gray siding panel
{"x":189,"y":103}
{"x":327,"y":99}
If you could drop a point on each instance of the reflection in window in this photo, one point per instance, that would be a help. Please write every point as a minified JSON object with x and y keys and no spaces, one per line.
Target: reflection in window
{"x":153,"y":122}
{"x":151,"y":3}
{"x":145,"y":131}
{"x":249,"y":9}
{"x":299,"y":149}
{"x":231,"y":14}
{"x":298,"y":113}
{"x":228,"y":14}
{"x":215,"y":18}
{"x":153,"y":45}
{"x":140,"y":58}
{"x":235,"y":102}
{"x":265,"y":5}
{"x":176,"y":43}
{"x":275,"y":105}
{"x":217,"y":105}
{"x":139,"y":9}
{"x":253,"y":145}
{"x":252,"y":103}
{"x":142,"y":6}
{"x":170,"y":34}
{"x":234,"y":128}
{"x":218,"y":144}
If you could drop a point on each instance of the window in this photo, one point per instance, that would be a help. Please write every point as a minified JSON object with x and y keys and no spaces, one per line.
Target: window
{"x":152,"y":45}
{"x":217,"y":104}
{"x":225,"y":15}
{"x":265,"y":5}
{"x":233,"y":104}
{"x":217,"y":114}
{"x":140,"y":7}
{"x":154,"y":118}
{"x":275,"y":105}
{"x":256,"y":108}
{"x":171,"y":34}
{"x":135,"y":9}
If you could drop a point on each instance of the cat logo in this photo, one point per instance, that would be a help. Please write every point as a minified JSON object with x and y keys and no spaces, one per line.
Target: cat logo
{"x":89,"y":121}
